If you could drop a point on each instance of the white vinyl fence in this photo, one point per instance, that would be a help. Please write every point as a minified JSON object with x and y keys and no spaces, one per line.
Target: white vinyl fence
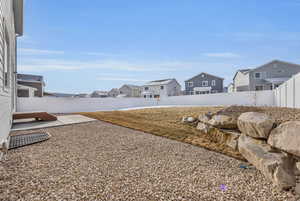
{"x":288,"y":94}
{"x":69,"y":105}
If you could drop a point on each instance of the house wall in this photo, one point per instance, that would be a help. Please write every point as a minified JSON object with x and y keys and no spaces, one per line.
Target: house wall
{"x":7,"y":94}
{"x":155,"y":90}
{"x":241,"y":82}
{"x":71,"y":105}
{"x":272,"y":70}
{"x":197,"y":82}
{"x":38,"y":86}
{"x":173,"y":89}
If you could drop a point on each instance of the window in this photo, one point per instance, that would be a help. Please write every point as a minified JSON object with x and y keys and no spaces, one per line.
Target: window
{"x":145,"y":96}
{"x":156,"y":96}
{"x":259,"y":88}
{"x":204,"y":83}
{"x":213,"y":83}
{"x":146,"y":88}
{"x":203,"y":75}
{"x":150,"y":96}
{"x":190,"y":84}
{"x":162,"y":87}
{"x":257,"y":75}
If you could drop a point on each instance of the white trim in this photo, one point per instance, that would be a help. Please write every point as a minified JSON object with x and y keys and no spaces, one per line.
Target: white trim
{"x":206,"y":83}
{"x":190,"y":84}
{"x":213,"y":83}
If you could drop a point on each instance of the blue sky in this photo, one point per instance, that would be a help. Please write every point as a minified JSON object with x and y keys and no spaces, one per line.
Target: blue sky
{"x":97,"y":45}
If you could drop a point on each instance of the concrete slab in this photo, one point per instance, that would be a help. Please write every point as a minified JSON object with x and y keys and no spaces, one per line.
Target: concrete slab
{"x":61,"y":121}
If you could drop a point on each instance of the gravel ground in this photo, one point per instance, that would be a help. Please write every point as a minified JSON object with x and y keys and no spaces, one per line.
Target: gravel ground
{"x":100,"y":161}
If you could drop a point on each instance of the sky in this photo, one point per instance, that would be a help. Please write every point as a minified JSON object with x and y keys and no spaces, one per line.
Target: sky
{"x":80,"y":46}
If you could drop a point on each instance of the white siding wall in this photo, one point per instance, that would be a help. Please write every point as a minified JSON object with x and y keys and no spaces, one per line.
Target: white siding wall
{"x":6,"y":94}
{"x":241,"y":82}
{"x":173,"y":89}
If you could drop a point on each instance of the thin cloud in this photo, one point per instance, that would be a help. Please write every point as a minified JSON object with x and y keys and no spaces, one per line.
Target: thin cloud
{"x":222,"y":55}
{"x":30,"y":51}
{"x":121,"y":79}
{"x":40,"y":65}
{"x":101,"y":54}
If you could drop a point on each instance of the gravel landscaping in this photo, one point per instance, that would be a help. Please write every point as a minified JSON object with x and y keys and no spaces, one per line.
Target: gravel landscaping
{"x":101,"y":161}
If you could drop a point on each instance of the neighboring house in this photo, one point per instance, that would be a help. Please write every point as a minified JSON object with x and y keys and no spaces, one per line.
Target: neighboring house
{"x":99,"y":94}
{"x":128,"y":90}
{"x":113,"y":92}
{"x":266,"y":77}
{"x":81,"y":95}
{"x":204,"y":83}
{"x":25,"y":91}
{"x":161,"y":88}
{"x":35,"y":81}
{"x":230,"y":88}
{"x":11,"y":27}
{"x":59,"y":95}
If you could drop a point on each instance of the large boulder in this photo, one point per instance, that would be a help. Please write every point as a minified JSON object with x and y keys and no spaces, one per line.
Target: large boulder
{"x":277,"y":167}
{"x":223,"y":121}
{"x":255,"y":124}
{"x":286,"y":137}
{"x":205,"y":128}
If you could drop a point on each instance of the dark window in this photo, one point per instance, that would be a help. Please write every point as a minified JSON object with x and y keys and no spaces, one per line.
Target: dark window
{"x":257,"y":75}
{"x":259,"y":88}
{"x":145,"y":96}
{"x":156,"y":96}
{"x":162,"y":87}
{"x":150,"y":96}
{"x":146,"y":88}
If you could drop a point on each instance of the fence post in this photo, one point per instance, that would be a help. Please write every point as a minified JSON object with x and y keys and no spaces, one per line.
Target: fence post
{"x":294,"y":92}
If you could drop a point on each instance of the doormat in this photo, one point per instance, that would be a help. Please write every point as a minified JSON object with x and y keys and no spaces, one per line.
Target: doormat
{"x":17,"y":141}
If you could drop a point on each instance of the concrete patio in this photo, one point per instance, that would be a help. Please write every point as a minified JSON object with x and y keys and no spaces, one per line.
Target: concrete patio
{"x":62,"y":120}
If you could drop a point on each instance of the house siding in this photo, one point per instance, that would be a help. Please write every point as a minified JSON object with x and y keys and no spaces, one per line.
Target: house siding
{"x":274,"y":69}
{"x":171,"y":89}
{"x":197,"y":82}
{"x":241,"y":82}
{"x":7,"y":94}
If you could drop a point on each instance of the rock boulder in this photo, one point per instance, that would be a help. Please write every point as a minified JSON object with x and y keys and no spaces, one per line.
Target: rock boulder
{"x":286,"y":137}
{"x":277,"y":167}
{"x":204,"y":118}
{"x":188,"y":119}
{"x":255,"y":124}
{"x":205,"y":128}
{"x":223,"y":121}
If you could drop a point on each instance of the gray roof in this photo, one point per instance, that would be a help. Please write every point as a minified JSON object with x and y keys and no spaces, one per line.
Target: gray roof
{"x":131,"y":86}
{"x":206,"y":74}
{"x":160,"y":82}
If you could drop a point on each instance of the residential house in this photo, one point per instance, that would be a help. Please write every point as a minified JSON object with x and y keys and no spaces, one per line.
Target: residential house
{"x":113,"y":92}
{"x":99,"y":94}
{"x":11,"y":27}
{"x":128,"y":90}
{"x":204,"y":83}
{"x":161,"y":88}
{"x":35,"y":81}
{"x":25,"y":91}
{"x":59,"y":95}
{"x":230,"y":88}
{"x":266,"y":77}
